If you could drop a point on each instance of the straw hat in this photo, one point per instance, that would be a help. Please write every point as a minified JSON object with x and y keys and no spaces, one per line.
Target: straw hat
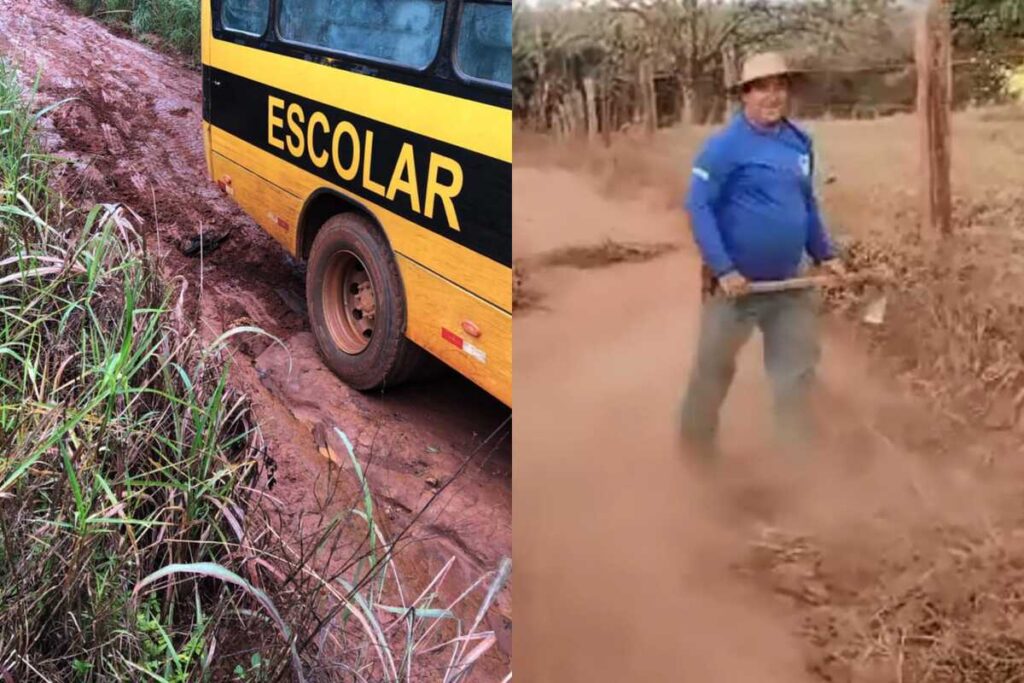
{"x":764,"y":65}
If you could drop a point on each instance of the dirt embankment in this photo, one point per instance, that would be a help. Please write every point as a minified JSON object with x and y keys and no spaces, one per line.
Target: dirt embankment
{"x":132,"y":133}
{"x":888,"y":556}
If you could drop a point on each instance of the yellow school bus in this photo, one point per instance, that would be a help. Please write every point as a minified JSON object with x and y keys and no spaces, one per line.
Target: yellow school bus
{"x":373,"y":139}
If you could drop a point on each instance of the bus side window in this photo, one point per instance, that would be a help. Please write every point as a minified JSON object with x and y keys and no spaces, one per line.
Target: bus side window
{"x":245,"y":16}
{"x":404,"y":31}
{"x":304,"y":21}
{"x":484,"y":49}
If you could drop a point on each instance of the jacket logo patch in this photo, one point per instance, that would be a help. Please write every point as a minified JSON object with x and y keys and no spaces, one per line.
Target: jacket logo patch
{"x":805,"y":164}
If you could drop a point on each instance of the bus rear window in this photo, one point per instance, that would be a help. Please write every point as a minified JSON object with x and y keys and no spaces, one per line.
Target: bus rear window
{"x":406,"y":32}
{"x":484,"y":49}
{"x":245,"y":16}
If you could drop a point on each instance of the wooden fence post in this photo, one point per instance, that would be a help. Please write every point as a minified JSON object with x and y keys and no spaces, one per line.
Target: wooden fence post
{"x":648,"y":100}
{"x":606,"y":111}
{"x":934,"y":100}
{"x":730,"y":75}
{"x":590,"y":94}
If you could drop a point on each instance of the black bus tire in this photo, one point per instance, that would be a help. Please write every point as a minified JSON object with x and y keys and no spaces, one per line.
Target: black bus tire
{"x":389,"y":358}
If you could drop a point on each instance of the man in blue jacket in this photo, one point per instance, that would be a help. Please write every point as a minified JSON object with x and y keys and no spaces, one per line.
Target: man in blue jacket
{"x":754,"y":216}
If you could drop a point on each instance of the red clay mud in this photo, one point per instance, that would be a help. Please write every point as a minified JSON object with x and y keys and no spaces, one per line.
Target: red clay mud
{"x":132,"y":133}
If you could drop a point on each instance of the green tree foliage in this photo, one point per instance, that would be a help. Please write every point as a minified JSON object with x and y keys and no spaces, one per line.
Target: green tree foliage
{"x":693,"y":43}
{"x":988,"y":24}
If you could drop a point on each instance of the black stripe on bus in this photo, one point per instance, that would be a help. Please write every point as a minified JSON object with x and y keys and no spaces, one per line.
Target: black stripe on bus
{"x":483,"y":207}
{"x":440,"y":76}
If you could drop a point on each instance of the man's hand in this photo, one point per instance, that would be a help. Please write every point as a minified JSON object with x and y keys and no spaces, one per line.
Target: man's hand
{"x":834,"y":267}
{"x":733,"y":284}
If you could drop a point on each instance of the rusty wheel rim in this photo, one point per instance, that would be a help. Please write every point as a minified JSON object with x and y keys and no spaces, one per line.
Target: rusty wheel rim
{"x":350,"y":305}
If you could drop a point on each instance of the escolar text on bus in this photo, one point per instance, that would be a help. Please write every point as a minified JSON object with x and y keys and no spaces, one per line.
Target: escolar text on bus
{"x":350,"y":152}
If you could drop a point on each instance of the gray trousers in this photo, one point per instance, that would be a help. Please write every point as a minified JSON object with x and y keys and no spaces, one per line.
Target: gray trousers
{"x":788,"y":321}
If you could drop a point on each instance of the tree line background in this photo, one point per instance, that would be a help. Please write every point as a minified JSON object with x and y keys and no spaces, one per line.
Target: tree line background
{"x":605,"y":65}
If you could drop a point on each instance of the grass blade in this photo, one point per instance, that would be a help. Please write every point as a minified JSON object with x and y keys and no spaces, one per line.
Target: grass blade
{"x":216,"y":571}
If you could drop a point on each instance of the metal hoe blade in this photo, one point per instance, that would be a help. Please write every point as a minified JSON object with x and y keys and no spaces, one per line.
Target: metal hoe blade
{"x":874,"y":314}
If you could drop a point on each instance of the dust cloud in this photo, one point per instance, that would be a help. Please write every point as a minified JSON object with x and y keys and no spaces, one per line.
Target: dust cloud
{"x":635,"y":563}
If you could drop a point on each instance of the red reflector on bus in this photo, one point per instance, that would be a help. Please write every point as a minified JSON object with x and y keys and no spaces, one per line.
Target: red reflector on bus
{"x":277,"y":220}
{"x":451,"y":337}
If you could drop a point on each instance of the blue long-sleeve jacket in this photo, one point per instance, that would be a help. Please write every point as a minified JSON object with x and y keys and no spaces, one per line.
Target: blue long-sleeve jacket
{"x":751,"y":202}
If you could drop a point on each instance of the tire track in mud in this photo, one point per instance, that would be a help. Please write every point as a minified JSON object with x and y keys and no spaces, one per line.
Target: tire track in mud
{"x":132,"y":132}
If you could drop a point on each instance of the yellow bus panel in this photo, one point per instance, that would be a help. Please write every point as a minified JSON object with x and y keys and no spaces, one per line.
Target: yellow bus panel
{"x":437,"y":311}
{"x":273,"y":208}
{"x":484,"y":277}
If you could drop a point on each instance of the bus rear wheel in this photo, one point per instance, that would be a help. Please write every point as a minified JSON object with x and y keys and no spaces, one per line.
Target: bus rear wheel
{"x":357,"y":305}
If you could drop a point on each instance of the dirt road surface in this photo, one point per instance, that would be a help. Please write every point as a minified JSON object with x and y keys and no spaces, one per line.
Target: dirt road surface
{"x":600,"y":561}
{"x":133,"y":134}
{"x":627,"y":554}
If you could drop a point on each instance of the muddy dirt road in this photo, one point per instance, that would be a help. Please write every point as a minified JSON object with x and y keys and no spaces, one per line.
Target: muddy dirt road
{"x":133,"y":134}
{"x":628,"y":558}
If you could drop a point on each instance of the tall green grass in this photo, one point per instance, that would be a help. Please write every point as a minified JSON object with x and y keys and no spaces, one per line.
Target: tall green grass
{"x":135,"y":537}
{"x":175,"y":21}
{"x":121,"y":447}
{"x":21,"y":162}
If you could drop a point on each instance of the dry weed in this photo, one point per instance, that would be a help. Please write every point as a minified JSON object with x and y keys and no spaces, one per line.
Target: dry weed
{"x":523,"y":296}
{"x":946,"y":608}
{"x":607,"y":253}
{"x":954,"y":325}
